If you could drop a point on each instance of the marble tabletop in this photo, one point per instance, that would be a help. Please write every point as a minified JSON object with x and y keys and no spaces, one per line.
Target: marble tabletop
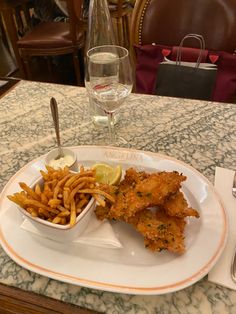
{"x":202,"y":134}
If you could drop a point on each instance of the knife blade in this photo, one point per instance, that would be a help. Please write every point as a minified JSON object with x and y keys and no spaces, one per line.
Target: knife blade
{"x":234,"y":185}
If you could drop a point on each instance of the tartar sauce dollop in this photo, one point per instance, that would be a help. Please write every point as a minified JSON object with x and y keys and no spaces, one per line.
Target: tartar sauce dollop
{"x":62,"y":162}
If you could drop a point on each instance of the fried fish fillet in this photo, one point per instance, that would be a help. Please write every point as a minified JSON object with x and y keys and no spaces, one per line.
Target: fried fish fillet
{"x":160,"y":231}
{"x":151,"y":190}
{"x":176,"y":205}
{"x":132,"y":177}
{"x":102,"y":212}
{"x":162,"y":226}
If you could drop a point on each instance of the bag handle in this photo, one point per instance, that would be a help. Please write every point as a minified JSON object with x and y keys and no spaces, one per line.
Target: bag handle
{"x":202,"y":48}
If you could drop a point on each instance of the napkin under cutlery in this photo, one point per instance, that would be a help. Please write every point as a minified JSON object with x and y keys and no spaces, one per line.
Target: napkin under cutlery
{"x":220,"y":274}
{"x":98,"y":233}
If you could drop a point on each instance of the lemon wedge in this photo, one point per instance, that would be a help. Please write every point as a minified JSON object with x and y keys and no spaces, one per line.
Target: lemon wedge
{"x":107,"y":174}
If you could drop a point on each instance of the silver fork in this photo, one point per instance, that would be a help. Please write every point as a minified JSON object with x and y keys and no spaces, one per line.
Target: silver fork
{"x":233,"y":264}
{"x":234,"y":185}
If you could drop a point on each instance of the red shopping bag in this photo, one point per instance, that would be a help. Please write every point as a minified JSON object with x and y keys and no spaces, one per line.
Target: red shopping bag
{"x":149,"y":57}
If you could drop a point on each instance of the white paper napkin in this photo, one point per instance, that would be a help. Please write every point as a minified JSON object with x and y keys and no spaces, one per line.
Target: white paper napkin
{"x":98,"y":233}
{"x":220,"y":274}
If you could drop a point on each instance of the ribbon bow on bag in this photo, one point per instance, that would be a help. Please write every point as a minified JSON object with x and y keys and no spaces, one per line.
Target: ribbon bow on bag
{"x":194,"y":80}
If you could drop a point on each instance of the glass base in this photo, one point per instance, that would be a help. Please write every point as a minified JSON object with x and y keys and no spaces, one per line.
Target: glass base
{"x":99,"y":117}
{"x":102,"y":121}
{"x":118,"y":142}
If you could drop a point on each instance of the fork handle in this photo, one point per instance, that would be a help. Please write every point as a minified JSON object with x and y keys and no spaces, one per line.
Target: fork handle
{"x":233,"y":267}
{"x":234,"y":185}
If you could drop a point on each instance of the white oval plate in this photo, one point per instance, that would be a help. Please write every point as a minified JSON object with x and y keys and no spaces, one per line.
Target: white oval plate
{"x":132,"y":269}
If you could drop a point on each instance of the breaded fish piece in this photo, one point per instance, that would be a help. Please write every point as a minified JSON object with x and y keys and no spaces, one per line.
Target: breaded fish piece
{"x":153,"y":190}
{"x":102,"y":212}
{"x":154,"y":205}
{"x":132,"y":177}
{"x":176,"y":205}
{"x":163,"y":244}
{"x":160,"y":231}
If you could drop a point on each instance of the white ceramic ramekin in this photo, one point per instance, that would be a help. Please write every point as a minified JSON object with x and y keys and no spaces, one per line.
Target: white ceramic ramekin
{"x":67,"y":152}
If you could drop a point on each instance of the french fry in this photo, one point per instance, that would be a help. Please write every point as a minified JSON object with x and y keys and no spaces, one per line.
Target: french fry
{"x":52,"y":184}
{"x":81,"y":168}
{"x":56,"y":220}
{"x":61,"y":208}
{"x":37,"y":204}
{"x":81,"y":204}
{"x":43,"y":212}
{"x":44,"y":198}
{"x":72,"y":213}
{"x":22,"y":196}
{"x":29,"y":191}
{"x":63,"y":221}
{"x":60,"y":184}
{"x":78,"y":210}
{"x":100,"y":201}
{"x":71,"y":180}
{"x":16,"y":200}
{"x":29,"y":209}
{"x":37,"y":189}
{"x":65,"y":213}
{"x":82,"y":179}
{"x":50,"y":169}
{"x":62,"y":196}
{"x":74,"y":191}
{"x":49,"y":194}
{"x":97,"y":191}
{"x":81,"y":196}
{"x":34,"y":213}
{"x":66,"y":193}
{"x":54,"y":202}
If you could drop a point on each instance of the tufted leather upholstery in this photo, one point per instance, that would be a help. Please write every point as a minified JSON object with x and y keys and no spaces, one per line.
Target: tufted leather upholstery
{"x":167,"y":22}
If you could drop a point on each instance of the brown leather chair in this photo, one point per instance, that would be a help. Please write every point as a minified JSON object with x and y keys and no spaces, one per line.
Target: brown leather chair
{"x":121,"y":15}
{"x":167,"y":22}
{"x":55,"y":38}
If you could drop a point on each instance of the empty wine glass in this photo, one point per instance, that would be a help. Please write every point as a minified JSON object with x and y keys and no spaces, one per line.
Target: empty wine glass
{"x":109,"y":80}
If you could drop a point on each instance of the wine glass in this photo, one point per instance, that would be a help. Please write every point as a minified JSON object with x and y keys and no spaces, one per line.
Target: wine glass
{"x":109,"y":81}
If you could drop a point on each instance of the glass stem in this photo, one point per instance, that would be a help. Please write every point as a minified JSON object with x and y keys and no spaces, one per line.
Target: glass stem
{"x":111,"y":127}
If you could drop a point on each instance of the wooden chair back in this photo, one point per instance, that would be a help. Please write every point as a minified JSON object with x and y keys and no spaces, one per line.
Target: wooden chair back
{"x":75,"y":10}
{"x":121,"y":15}
{"x":53,"y":38}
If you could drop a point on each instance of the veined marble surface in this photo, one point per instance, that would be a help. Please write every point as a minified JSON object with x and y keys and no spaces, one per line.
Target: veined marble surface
{"x":202,"y":134}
